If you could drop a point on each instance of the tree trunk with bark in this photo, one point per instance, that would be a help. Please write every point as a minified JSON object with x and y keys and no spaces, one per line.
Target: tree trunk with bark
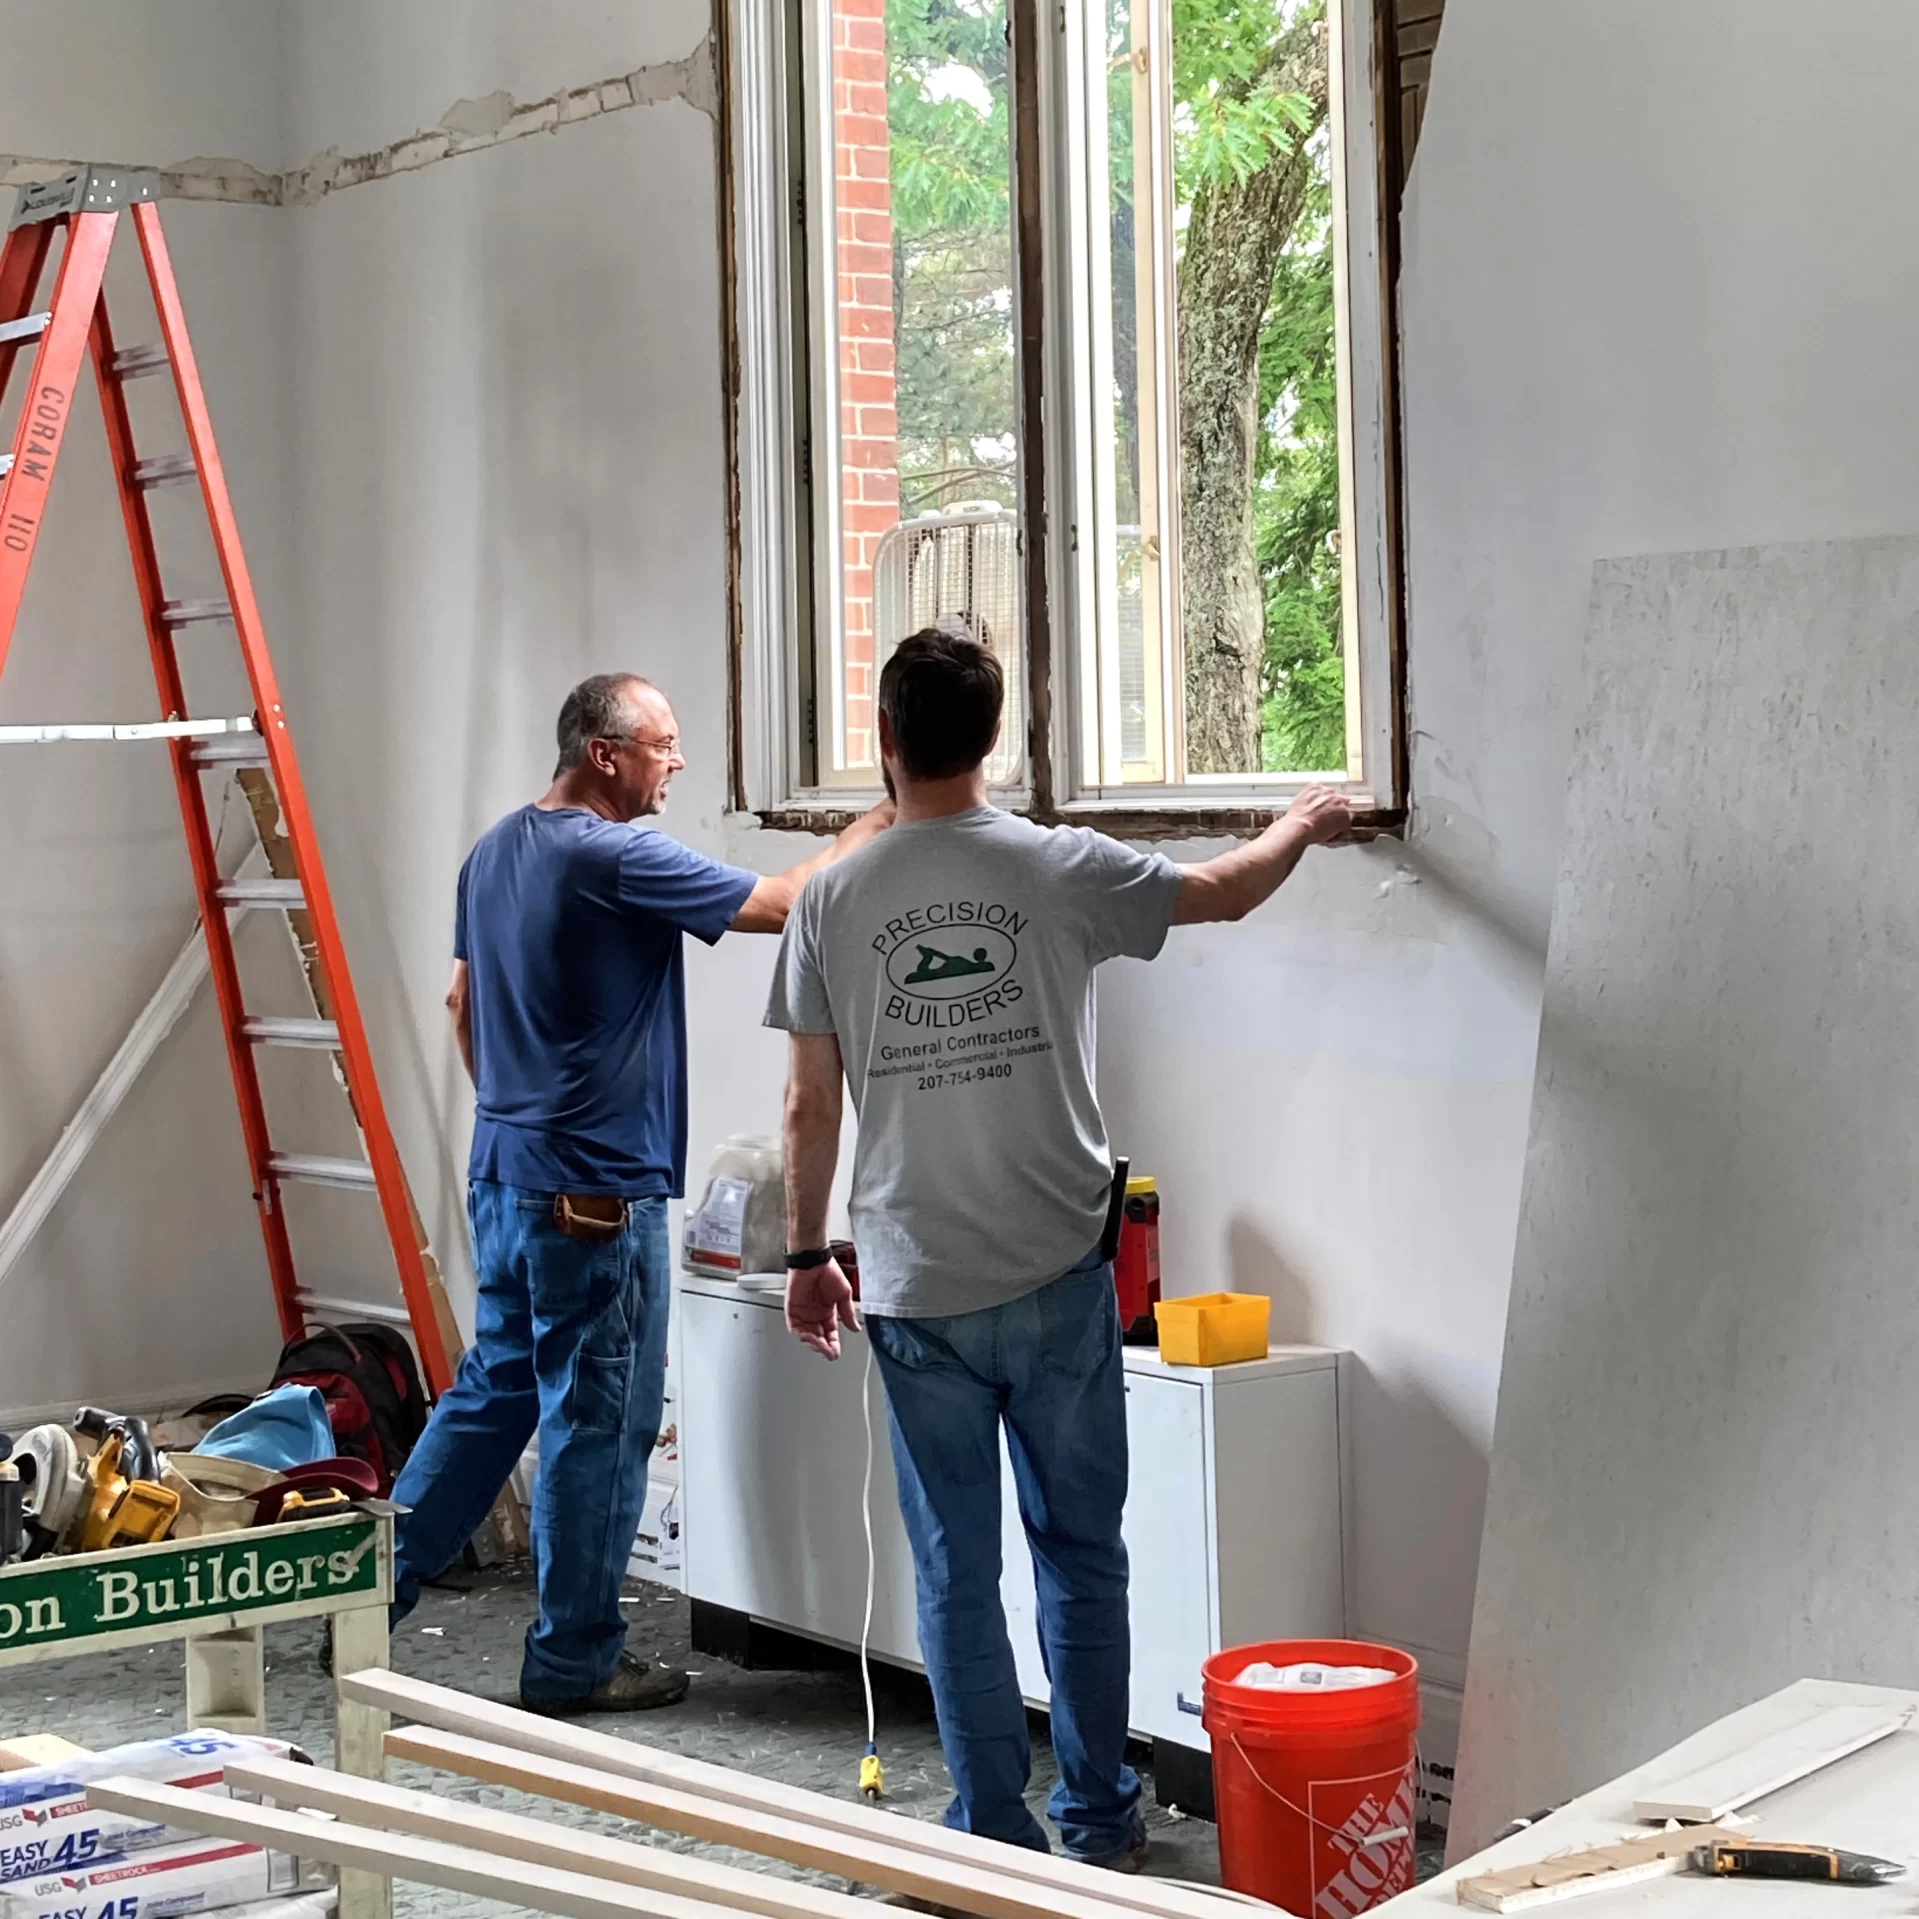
{"x":1234,"y":238}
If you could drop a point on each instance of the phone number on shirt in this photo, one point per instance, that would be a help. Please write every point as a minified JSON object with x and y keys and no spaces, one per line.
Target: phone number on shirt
{"x":965,"y":1076}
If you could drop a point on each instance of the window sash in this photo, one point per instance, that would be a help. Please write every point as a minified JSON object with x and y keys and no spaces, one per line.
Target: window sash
{"x":784,"y":410}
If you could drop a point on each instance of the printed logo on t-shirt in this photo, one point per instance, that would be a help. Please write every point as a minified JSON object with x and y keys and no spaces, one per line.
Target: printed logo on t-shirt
{"x":951,"y":963}
{"x":952,"y":977}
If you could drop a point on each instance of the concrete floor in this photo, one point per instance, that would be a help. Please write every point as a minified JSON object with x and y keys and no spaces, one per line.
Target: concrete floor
{"x":805,"y":1728}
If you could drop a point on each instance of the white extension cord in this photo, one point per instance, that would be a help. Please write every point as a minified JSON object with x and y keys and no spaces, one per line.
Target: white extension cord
{"x":872,"y":1776}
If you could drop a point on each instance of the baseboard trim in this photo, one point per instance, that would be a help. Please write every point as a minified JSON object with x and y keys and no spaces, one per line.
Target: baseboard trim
{"x":60,"y":1412}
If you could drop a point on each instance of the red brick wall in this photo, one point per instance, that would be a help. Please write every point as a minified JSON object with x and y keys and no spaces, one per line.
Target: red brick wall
{"x":869,"y":421}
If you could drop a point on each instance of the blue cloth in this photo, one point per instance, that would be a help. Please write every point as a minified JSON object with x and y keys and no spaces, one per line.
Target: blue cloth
{"x":282,"y":1429}
{"x":570,"y":1337}
{"x":1048,"y":1365}
{"x":571,"y":927}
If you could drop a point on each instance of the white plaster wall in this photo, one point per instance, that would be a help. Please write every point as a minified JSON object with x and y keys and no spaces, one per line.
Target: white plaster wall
{"x":1658,"y":296}
{"x":1657,"y":292}
{"x":507,"y":386}
{"x":148,"y":1278}
{"x":510,"y":474}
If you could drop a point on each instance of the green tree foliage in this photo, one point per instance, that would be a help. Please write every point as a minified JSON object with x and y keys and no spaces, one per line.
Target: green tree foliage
{"x":1296,"y":509}
{"x":952,"y":250}
{"x":1234,"y":115}
{"x":953,"y":278}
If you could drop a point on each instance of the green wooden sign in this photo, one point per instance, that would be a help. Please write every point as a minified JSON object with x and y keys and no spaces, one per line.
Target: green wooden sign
{"x":162,"y":1588}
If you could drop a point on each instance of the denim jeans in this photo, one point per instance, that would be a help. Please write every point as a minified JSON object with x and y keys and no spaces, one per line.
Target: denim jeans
{"x":570,"y":1337}
{"x":1048,"y":1366}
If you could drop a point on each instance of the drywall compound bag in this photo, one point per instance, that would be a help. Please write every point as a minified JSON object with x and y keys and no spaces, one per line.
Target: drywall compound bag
{"x":46,"y":1825}
{"x":739,"y":1225}
{"x":200,"y":1876}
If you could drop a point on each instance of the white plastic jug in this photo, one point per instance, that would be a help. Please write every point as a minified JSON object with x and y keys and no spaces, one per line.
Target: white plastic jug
{"x":739,"y":1225}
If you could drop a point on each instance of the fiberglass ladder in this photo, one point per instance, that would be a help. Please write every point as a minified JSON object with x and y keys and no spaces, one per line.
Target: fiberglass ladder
{"x":87,"y":203}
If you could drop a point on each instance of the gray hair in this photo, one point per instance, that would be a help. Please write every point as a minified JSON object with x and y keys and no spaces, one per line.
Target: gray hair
{"x":596,"y":709}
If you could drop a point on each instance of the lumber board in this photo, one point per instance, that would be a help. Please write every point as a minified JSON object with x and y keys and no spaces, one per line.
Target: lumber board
{"x":37,"y":1749}
{"x":429,"y":1862}
{"x":1572,"y":1875}
{"x":538,"y":1842}
{"x":1822,"y":1737}
{"x":451,"y":1711}
{"x":981,"y":1889}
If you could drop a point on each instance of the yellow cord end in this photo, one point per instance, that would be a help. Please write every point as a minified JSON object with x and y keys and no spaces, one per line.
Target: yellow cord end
{"x":872,"y":1777}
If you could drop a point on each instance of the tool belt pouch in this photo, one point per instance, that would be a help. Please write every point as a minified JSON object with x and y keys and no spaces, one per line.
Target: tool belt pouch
{"x":591,"y":1217}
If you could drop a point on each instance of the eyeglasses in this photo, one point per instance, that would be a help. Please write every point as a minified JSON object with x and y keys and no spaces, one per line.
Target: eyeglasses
{"x":670,"y":746}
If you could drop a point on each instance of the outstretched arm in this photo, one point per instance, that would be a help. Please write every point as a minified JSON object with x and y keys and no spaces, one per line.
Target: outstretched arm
{"x":819,"y":1301}
{"x":1230,"y":886}
{"x":772,"y":898}
{"x":459,"y":1002}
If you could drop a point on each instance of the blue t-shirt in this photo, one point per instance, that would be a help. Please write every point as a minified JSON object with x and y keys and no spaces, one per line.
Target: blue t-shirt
{"x":570,"y":927}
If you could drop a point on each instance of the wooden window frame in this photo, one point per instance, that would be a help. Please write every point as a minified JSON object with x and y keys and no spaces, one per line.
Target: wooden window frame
{"x":770,"y":427}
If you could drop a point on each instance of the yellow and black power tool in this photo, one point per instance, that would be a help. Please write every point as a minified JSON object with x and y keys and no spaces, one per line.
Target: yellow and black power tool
{"x":93,"y":1487}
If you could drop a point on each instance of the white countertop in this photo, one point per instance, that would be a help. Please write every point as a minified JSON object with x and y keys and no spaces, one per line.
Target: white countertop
{"x":1139,"y":1359}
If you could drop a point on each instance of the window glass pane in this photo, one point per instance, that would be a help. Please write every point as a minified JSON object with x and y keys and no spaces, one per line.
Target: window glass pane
{"x":1213,"y":161}
{"x":921,"y":355}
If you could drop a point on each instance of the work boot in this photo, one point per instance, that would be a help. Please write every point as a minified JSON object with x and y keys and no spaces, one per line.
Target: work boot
{"x":634,"y":1687}
{"x":1133,"y":1859}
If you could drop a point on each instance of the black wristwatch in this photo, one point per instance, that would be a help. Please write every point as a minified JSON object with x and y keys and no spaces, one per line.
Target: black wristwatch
{"x":806,"y":1261}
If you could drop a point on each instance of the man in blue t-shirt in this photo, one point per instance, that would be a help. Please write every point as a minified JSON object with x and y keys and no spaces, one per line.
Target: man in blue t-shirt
{"x":569,"y":1003}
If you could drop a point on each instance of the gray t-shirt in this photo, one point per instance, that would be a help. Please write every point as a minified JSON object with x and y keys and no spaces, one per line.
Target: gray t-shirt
{"x":954,"y":959}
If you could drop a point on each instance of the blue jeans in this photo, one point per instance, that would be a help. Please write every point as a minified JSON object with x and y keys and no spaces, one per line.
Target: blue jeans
{"x":1048,"y":1365}
{"x":570,"y":1337}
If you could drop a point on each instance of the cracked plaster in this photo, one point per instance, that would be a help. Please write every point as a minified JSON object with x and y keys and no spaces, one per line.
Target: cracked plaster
{"x":468,"y":126}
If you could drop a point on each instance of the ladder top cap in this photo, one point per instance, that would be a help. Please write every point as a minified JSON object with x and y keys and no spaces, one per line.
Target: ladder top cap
{"x":93,"y":188}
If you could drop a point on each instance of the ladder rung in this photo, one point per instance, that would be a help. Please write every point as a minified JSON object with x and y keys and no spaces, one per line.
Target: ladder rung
{"x":262,"y":893}
{"x":169,"y":470}
{"x":353,"y":1309}
{"x":265,"y":1030}
{"x":243,"y":750}
{"x":12,"y":332}
{"x":133,"y":361}
{"x":193,"y":612}
{"x":315,"y":1169}
{"x":239,"y":732}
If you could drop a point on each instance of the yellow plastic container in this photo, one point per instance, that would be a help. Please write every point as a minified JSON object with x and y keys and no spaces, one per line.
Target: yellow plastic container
{"x":1213,"y":1329}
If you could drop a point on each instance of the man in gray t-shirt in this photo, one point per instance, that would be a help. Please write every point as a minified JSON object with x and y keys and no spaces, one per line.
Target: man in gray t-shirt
{"x":945,"y":973}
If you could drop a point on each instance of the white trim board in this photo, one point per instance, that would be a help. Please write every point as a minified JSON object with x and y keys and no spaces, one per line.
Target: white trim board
{"x":1819,"y":1737}
{"x":526,"y":1732}
{"x":161,"y":1014}
{"x":536,"y":1841}
{"x":986,"y":1888}
{"x":571,"y":1895}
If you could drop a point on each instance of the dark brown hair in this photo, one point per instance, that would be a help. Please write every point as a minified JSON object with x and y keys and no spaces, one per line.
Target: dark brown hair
{"x":942,"y":692}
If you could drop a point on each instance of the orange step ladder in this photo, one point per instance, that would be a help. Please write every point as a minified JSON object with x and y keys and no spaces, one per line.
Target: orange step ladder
{"x":88,"y":204}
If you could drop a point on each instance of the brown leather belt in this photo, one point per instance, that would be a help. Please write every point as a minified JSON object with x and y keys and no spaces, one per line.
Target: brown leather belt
{"x":593,"y":1217}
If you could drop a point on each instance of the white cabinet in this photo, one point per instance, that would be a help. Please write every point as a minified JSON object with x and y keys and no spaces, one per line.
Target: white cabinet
{"x":1234,"y":1515}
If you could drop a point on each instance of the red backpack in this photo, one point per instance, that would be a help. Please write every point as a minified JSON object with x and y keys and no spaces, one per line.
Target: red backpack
{"x":371,"y":1384}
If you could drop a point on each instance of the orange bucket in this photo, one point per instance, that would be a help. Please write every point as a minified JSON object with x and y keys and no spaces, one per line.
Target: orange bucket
{"x":1315,"y":1791}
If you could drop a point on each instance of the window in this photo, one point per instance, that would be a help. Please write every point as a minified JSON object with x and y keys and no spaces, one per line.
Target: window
{"x":1192,"y":574}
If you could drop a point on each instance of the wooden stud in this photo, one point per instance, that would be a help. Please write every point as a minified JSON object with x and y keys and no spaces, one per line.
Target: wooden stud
{"x":991,"y":1889}
{"x":627,"y":1760}
{"x":37,"y":1749}
{"x":538,"y":1842}
{"x":1598,"y":1869}
{"x":571,"y":1895}
{"x":359,"y":1743}
{"x":226,"y":1681}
